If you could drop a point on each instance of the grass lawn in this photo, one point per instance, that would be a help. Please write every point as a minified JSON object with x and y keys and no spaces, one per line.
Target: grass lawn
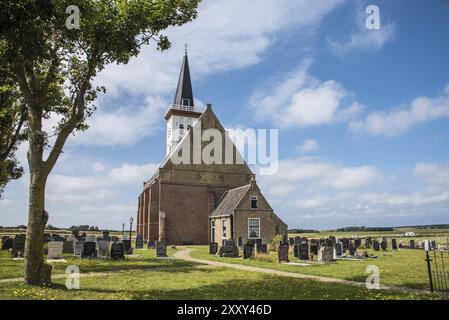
{"x":400,"y":268}
{"x":146,"y":277}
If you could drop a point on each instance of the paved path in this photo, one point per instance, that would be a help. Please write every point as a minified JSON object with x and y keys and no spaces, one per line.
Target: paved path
{"x":185,"y":255}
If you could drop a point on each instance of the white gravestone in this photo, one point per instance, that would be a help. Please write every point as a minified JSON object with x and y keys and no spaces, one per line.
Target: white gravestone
{"x":78,"y":248}
{"x":55,"y":250}
{"x":103,"y":248}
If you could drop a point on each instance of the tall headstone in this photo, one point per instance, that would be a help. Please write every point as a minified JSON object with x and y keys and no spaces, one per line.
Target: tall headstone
{"x":117,"y":251}
{"x":314,"y":247}
{"x":68,"y":247}
{"x":127,"y":246}
{"x":303,"y":251}
{"x":78,"y":248}
{"x":161,"y":249}
{"x":247,"y":250}
{"x":213,"y":248}
{"x":367,"y":242}
{"x":376,"y":245}
{"x":89,"y":250}
{"x":352,"y":249}
{"x":394,"y":245}
{"x":283,"y":252}
{"x":104,"y":248}
{"x":339,"y":249}
{"x":358,"y":242}
{"x":139,"y":241}
{"x":412,"y":244}
{"x":18,"y":246}
{"x":55,"y":249}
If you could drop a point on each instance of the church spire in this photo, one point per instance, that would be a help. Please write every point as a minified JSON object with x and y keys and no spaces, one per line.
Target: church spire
{"x":184,"y":93}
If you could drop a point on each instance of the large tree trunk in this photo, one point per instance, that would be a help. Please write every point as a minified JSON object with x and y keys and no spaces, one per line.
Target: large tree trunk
{"x":36,"y":271}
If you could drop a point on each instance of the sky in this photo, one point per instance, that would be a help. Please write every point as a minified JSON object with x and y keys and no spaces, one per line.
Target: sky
{"x":362,"y":114}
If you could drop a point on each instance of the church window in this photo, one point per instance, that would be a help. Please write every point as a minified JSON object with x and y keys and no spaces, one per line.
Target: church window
{"x":223,"y":228}
{"x":186,"y":102}
{"x":253,"y":202}
{"x":181,"y":127}
{"x":253,"y":228}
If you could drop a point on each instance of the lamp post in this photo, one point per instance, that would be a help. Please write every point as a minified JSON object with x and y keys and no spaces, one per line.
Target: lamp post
{"x":123,"y":229}
{"x":131,"y":220}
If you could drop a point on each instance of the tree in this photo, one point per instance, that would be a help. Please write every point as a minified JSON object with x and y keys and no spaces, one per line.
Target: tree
{"x":12,"y":119}
{"x":54,"y":67}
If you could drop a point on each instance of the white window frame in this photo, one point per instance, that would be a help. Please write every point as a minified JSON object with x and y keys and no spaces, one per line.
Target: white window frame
{"x":251,"y":198}
{"x":260,"y":231}
{"x":224,"y":233}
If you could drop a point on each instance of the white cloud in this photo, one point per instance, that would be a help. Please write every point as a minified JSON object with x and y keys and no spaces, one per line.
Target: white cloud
{"x":401,"y":119}
{"x":301,"y":100}
{"x":227,"y":35}
{"x":433,"y":173}
{"x":364,"y":40}
{"x":308,"y":145}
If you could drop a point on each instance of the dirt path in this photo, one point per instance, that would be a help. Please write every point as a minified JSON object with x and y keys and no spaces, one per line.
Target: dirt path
{"x":185,"y":255}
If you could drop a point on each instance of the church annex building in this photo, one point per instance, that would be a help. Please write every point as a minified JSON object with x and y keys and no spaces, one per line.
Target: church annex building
{"x":202,"y":203}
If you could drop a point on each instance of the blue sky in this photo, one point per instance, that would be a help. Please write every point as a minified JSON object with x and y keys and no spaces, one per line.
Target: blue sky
{"x":362,"y":114}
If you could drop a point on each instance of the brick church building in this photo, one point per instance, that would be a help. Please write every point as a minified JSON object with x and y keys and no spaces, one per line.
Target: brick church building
{"x":198,"y":203}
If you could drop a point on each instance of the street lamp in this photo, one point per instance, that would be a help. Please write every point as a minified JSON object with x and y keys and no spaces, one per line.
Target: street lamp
{"x":123,"y":229}
{"x":131,"y":220}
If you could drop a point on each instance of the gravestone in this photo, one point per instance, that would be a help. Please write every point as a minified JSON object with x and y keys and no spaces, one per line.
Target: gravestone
{"x":261,"y":248}
{"x":291,"y":241}
{"x":7,"y":244}
{"x":68,"y":247}
{"x":297,"y":241}
{"x":296,"y":250}
{"x":18,"y":246}
{"x":78,"y":249}
{"x":352,"y":249}
{"x":151,"y":245}
{"x":90,"y":239}
{"x":394,"y":245}
{"x":339,"y":249}
{"x":55,"y":249}
{"x":115,"y":239}
{"x":4,"y":238}
{"x":314,"y":247}
{"x":303,"y":251}
{"x":139,"y":241}
{"x":412,"y":244}
{"x":89,"y":250}
{"x":283,"y":252}
{"x":127,"y":246}
{"x":228,"y":249}
{"x":421,"y":244}
{"x":367,"y":243}
{"x":161,"y":249}
{"x":358,"y":242}
{"x":106,"y":236}
{"x":117,"y":251}
{"x":433,"y":244}
{"x":247,"y":251}
{"x":103,"y":248}
{"x":213,"y":248}
{"x":326,"y":254}
{"x":376,"y":245}
{"x":384,"y":244}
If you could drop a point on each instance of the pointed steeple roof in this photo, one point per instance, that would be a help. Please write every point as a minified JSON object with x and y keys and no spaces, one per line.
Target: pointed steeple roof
{"x":184,"y":89}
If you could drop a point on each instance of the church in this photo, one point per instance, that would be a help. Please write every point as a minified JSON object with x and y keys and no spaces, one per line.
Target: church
{"x":198,"y":203}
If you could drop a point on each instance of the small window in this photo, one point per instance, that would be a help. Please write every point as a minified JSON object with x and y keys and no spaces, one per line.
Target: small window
{"x":253,"y":228}
{"x":186,"y":102}
{"x":181,"y":127}
{"x":223,"y":228}
{"x":253,"y":202}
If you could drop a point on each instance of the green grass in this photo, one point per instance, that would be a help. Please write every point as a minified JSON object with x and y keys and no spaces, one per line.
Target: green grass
{"x":400,"y":268}
{"x":174,"y":279}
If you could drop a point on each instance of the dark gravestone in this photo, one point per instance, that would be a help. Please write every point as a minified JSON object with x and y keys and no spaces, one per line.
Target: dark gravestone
{"x":7,"y":244}
{"x":4,"y":238}
{"x":296,"y":250}
{"x":297,"y":240}
{"x":139,"y":241}
{"x":261,"y":248}
{"x":376,"y":245}
{"x":291,"y":241}
{"x":394,"y":245}
{"x":339,"y":249}
{"x":127,"y":246}
{"x":352,"y":249}
{"x":117,"y":251}
{"x":247,"y":251}
{"x":18,"y":246}
{"x":367,"y":243}
{"x":228,"y":249}
{"x":433,"y":244}
{"x":151,"y":245}
{"x":358,"y":242}
{"x":213,"y":248}
{"x":412,"y":244}
{"x":68,"y":247}
{"x":161,"y":249}
{"x":314,"y":247}
{"x":303,"y":251}
{"x":106,"y":236}
{"x":283,"y":252}
{"x":89,"y":250}
{"x":115,"y":239}
{"x":383,"y":245}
